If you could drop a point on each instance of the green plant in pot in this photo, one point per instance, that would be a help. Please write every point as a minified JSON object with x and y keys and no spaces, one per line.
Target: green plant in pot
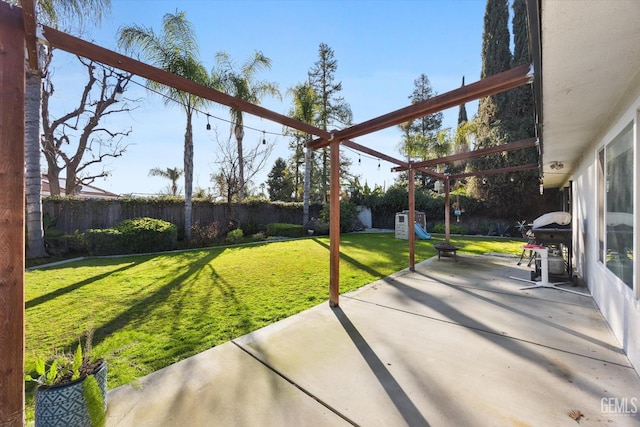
{"x":71,"y":391}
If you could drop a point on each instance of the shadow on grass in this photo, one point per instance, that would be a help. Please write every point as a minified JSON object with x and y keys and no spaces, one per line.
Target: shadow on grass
{"x":145,"y":306}
{"x":70,"y":288}
{"x":353,"y":261}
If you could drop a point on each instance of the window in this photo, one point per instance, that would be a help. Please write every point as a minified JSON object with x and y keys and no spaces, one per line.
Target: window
{"x":601,"y":184}
{"x":617,"y":187}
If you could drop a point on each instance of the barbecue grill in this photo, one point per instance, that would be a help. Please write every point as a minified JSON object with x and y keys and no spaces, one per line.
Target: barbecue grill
{"x":553,"y":230}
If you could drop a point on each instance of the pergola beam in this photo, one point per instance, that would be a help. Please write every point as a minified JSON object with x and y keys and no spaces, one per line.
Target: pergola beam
{"x":491,"y":85}
{"x":512,"y":146}
{"x":374,"y":153}
{"x":85,"y":49}
{"x":431,"y":173}
{"x":509,"y":169}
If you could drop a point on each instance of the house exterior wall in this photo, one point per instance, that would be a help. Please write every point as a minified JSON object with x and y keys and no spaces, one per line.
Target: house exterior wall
{"x":618,"y":302}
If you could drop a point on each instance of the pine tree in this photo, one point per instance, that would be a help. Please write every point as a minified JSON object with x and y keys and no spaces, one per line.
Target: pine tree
{"x":280,"y":182}
{"x":334,"y":111}
{"x":420,"y":136}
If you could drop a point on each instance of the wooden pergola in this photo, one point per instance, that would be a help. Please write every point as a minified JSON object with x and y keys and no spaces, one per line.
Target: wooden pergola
{"x":18,"y":50}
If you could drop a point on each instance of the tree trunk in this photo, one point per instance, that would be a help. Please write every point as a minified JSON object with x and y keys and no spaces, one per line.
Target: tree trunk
{"x":307,"y":185}
{"x":33,"y":174}
{"x":239,"y":132}
{"x":188,"y":176}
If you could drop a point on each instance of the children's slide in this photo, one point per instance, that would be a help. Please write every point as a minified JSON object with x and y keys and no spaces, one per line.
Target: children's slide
{"x":421,"y":233}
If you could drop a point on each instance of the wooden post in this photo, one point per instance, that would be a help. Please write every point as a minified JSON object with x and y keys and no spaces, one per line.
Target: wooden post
{"x":447,"y":210}
{"x":412,"y":219}
{"x":12,"y":83}
{"x":334,"y":226}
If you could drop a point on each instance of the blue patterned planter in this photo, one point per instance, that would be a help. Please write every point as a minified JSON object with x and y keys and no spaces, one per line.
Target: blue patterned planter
{"x":64,"y":405}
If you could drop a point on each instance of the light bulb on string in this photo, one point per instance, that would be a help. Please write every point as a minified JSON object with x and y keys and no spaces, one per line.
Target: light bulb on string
{"x":359,"y":160}
{"x":264,"y":140}
{"x":378,"y":164}
{"x":118,"y":92}
{"x":208,"y":124}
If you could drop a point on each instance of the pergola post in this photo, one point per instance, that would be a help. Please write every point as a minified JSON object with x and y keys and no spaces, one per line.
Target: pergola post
{"x":12,"y":91}
{"x":447,"y":209}
{"x":334,"y":226}
{"x":412,"y":219}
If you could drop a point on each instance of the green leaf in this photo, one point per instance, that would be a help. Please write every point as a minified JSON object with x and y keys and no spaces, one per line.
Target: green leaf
{"x":94,"y":400}
{"x":40,"y":368}
{"x":77,"y":363}
{"x":51,"y":376}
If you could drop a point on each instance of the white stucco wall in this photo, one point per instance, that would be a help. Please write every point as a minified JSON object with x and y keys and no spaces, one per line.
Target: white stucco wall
{"x":619,"y":304}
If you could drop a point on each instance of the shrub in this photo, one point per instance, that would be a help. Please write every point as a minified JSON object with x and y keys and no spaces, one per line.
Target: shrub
{"x":106,"y":241}
{"x":348,"y":215}
{"x":235,"y":236}
{"x":319,"y":228}
{"x":204,"y":235}
{"x":250,"y":227}
{"x":148,"y":235}
{"x":453,"y":229}
{"x":259,"y":236}
{"x":131,"y":236}
{"x":284,"y":230}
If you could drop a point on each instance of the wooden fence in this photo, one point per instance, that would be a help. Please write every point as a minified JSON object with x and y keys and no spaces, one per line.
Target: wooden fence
{"x":72,"y":215}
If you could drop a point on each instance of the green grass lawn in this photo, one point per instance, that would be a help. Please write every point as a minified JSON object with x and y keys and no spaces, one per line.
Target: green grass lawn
{"x":152,"y":310}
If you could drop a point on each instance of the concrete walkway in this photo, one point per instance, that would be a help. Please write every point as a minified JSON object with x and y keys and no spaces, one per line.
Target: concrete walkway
{"x":451,"y":344}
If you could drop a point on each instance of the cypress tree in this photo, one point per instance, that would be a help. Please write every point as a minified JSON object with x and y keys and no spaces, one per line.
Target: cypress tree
{"x":521,"y":117}
{"x":522,"y":105}
{"x":496,"y":58}
{"x":462,"y":112}
{"x":492,"y":121}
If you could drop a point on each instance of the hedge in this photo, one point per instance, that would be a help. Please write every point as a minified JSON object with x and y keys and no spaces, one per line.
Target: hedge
{"x":137,"y":235}
{"x":284,"y":230}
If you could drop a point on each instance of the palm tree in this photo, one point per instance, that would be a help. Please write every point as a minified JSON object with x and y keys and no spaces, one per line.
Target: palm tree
{"x":241,"y":84}
{"x":305,"y":109}
{"x":172,"y":174}
{"x":174,"y":50}
{"x":52,"y":13}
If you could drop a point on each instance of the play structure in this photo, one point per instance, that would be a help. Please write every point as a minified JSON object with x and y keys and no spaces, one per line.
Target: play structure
{"x":402,"y":226}
{"x":421,"y":233}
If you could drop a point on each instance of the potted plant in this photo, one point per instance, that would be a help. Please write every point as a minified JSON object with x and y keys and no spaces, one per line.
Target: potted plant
{"x":71,"y":391}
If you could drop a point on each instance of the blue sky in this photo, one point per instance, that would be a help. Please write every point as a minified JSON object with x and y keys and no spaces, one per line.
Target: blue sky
{"x":381,"y":47}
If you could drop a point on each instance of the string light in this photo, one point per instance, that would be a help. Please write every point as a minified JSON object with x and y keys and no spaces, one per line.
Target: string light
{"x":119,"y":92}
{"x":208,"y":124}
{"x":378,"y":164}
{"x":359,"y":160}
{"x":264,"y":141}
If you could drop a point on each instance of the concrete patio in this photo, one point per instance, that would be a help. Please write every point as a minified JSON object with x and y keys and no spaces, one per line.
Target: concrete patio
{"x":451,"y":344}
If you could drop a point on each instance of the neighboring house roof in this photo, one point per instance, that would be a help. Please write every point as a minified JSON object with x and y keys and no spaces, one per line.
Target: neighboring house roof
{"x":86,"y":191}
{"x":590,"y":74}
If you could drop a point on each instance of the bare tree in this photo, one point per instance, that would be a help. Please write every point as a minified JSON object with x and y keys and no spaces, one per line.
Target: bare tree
{"x":227,"y":178}
{"x":76,"y":142}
